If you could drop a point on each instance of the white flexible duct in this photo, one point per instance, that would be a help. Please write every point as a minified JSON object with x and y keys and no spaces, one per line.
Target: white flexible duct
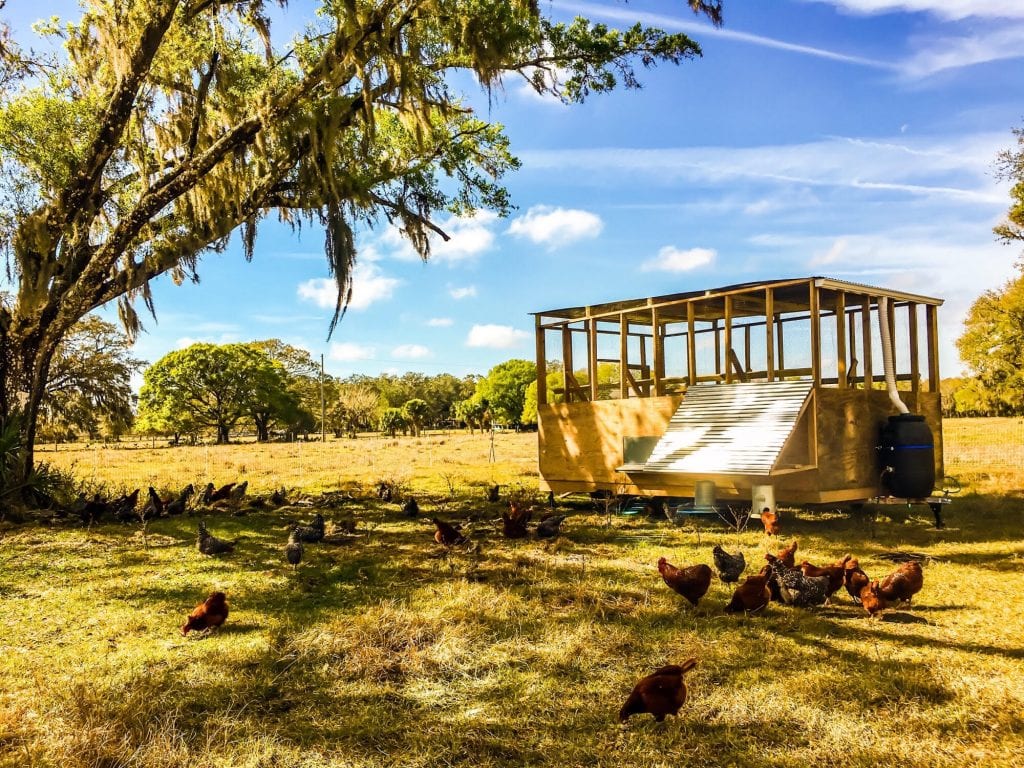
{"x":887,"y":362}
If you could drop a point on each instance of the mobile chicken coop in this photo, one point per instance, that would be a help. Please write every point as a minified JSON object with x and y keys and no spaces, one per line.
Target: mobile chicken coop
{"x":787,"y":384}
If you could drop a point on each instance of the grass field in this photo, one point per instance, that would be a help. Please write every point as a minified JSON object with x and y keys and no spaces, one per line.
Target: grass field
{"x":384,"y":652}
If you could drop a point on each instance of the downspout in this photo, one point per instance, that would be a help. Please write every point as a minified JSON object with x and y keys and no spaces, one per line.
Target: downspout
{"x":887,"y":361}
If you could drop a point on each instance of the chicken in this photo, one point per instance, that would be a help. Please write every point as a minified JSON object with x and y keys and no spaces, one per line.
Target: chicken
{"x":447,"y":534}
{"x":788,"y":554}
{"x":661,"y":693}
{"x":123,"y":508}
{"x":155,"y":506}
{"x":238,"y":492}
{"x":771,"y":522}
{"x":210,"y":495}
{"x":278,"y":498}
{"x":836,"y":573}
{"x":293,"y":549}
{"x":312,"y":533}
{"x":855,"y":580}
{"x":410,"y":508}
{"x":730,"y":567}
{"x":872,"y":599}
{"x":211,"y":545}
{"x":513,"y":522}
{"x":795,"y":588}
{"x":903,"y":583}
{"x":493,"y":494}
{"x":692,"y":582}
{"x":91,"y":511}
{"x":208,"y":615}
{"x":548,"y":527}
{"x":178,"y":506}
{"x":385,"y":490}
{"x":752,"y":595}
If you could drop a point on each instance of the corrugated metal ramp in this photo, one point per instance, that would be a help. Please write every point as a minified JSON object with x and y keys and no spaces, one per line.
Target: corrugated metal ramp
{"x":730,"y":428}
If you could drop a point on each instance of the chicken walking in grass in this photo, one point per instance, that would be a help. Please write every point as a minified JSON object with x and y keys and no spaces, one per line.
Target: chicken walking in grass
{"x":752,"y":595}
{"x":123,"y":508}
{"x":513,"y":522}
{"x":210,"y":495}
{"x":795,"y":588}
{"x":314,"y":532}
{"x":788,"y":554}
{"x":730,"y":567}
{"x":293,"y":549}
{"x":854,"y":579}
{"x":836,"y":574}
{"x":208,"y":615}
{"x":179,"y":504}
{"x":155,"y":506}
{"x":209,"y":544}
{"x":447,"y":534}
{"x":771,"y":523}
{"x":550,"y":526}
{"x":692,"y":582}
{"x":410,"y":508}
{"x":903,"y":583}
{"x":872,"y":599}
{"x":661,"y":693}
{"x":238,"y":493}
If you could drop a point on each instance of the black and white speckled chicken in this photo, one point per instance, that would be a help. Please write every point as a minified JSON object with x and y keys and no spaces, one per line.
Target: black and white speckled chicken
{"x":730,"y":567}
{"x":293,"y":549}
{"x":154,"y":507}
{"x":312,"y":533}
{"x":795,"y":588}
{"x":209,"y":544}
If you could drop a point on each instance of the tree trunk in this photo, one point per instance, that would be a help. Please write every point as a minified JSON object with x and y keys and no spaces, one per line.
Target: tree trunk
{"x":223,"y":434}
{"x":262,"y":432}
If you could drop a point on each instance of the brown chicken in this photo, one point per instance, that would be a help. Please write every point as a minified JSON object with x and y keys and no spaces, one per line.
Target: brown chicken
{"x":872,"y":599}
{"x":903,"y":583}
{"x":855,"y":579}
{"x":447,"y":535}
{"x":752,"y":595}
{"x":208,"y":615}
{"x":513,"y":522}
{"x":692,"y":583}
{"x":661,"y":693}
{"x":771,"y":522}
{"x":836,"y":573}
{"x":788,"y":554}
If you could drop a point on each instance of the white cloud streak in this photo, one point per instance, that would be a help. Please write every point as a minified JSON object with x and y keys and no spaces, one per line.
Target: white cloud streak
{"x":469,"y":238}
{"x":440,"y":322}
{"x":410,"y":352}
{"x":556,"y":227}
{"x":951,"y":10}
{"x":465,"y":292}
{"x":369,"y":285}
{"x":496,"y":336}
{"x":672,"y":259}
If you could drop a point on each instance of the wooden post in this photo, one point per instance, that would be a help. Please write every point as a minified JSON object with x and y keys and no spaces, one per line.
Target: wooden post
{"x":658,"y":351}
{"x":567,"y":371}
{"x":851,"y":327}
{"x":623,"y":356}
{"x":769,"y":332}
{"x":542,"y":365}
{"x":592,"y":356}
{"x":728,"y":340}
{"x":718,"y":347}
{"x":691,"y":346}
{"x":841,"y":339}
{"x":780,"y":337}
{"x":815,"y":317}
{"x":865,"y":322}
{"x":746,"y":347}
{"x":915,"y":366}
{"x":932,"y":319}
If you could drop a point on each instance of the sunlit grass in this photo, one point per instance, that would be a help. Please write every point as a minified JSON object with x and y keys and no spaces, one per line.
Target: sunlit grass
{"x":382,"y":652}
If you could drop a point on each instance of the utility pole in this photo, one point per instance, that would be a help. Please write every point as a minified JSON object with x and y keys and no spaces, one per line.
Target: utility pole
{"x":323,"y":404}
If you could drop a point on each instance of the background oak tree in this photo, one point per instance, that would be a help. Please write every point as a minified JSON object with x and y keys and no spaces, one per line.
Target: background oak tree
{"x":158,"y":128}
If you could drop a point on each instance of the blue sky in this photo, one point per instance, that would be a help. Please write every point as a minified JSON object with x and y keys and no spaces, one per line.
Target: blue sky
{"x":848,"y":138}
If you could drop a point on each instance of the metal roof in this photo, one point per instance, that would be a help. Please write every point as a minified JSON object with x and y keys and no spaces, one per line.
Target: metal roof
{"x":793,"y":285}
{"x":730,"y":428}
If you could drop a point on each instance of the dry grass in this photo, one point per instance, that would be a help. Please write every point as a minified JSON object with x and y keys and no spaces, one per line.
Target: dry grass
{"x":380,"y":652}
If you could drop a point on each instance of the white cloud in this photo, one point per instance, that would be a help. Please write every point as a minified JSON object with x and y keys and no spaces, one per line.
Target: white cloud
{"x":469,"y":237}
{"x":953,"y":10}
{"x":369,"y":285}
{"x":672,"y":259}
{"x":943,"y":53}
{"x":348,"y":352}
{"x":496,"y":336}
{"x":462,"y":293}
{"x":410,"y":352}
{"x":556,"y":227}
{"x":224,"y":338}
{"x":440,"y":322}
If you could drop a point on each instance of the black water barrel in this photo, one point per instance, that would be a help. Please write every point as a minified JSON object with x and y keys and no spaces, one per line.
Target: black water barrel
{"x":907,"y":456}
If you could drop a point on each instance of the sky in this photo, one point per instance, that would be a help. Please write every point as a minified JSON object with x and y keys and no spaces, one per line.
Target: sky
{"x":853,"y":139}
